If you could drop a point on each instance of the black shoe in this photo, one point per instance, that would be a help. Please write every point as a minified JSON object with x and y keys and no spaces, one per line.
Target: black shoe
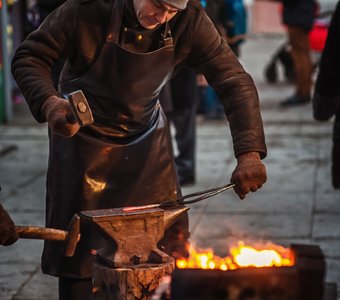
{"x":294,"y":100}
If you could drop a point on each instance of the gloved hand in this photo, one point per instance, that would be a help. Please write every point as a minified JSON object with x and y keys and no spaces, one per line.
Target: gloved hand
{"x":249,"y":174}
{"x":8,"y":235}
{"x":59,"y":116}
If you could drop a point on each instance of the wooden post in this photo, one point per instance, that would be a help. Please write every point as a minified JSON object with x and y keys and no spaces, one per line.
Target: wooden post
{"x":130,"y":283}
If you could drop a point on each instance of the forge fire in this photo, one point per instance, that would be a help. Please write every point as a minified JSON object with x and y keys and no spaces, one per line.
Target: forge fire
{"x":240,"y":256}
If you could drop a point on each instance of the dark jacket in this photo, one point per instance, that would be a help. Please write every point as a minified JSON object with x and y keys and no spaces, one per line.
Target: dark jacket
{"x":327,"y":88}
{"x":299,"y":13}
{"x":326,"y":100}
{"x":77,"y":31}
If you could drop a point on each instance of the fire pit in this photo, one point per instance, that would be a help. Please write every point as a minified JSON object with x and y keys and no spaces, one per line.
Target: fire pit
{"x":297,"y":275}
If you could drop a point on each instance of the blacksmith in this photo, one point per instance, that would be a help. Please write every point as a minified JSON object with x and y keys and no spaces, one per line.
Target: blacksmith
{"x":120,"y":53}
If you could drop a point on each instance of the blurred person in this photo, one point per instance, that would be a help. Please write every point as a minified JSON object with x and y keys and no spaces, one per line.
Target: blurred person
{"x":209,"y":103}
{"x":121,"y":53}
{"x":215,"y":11}
{"x":230,"y":19}
{"x":37,"y":13}
{"x":179,"y":100}
{"x":298,"y":16}
{"x":234,"y":19}
{"x":326,"y":97}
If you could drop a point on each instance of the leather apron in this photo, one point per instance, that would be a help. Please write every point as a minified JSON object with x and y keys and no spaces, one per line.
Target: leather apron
{"x":124,"y":158}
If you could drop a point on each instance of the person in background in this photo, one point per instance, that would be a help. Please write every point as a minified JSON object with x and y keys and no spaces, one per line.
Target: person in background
{"x":210,"y":105}
{"x":326,"y":97}
{"x":234,"y":20}
{"x":215,"y":11}
{"x":298,"y":16}
{"x":37,"y":13}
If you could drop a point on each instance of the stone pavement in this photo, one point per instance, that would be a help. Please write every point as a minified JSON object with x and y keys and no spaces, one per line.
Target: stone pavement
{"x":296,"y":205}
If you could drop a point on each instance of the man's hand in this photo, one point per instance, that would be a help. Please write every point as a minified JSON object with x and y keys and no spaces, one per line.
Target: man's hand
{"x":249,"y":174}
{"x":59,"y":116}
{"x":8,"y":234}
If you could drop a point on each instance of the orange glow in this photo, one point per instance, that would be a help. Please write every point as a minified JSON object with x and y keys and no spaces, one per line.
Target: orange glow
{"x":241,"y":256}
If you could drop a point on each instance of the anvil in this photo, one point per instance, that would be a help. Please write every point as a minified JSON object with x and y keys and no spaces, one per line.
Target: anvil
{"x":136,"y":233}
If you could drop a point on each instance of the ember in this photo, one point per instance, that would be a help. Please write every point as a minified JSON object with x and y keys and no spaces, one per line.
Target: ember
{"x":241,"y":256}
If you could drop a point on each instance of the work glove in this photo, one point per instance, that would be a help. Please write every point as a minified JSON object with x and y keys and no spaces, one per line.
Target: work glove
{"x":8,"y":234}
{"x":59,"y":115}
{"x":249,"y":174}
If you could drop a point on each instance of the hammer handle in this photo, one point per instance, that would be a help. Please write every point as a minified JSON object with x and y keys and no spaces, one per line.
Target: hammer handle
{"x":41,"y":233}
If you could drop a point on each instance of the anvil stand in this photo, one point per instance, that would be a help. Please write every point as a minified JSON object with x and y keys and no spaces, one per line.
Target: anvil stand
{"x":134,"y":270}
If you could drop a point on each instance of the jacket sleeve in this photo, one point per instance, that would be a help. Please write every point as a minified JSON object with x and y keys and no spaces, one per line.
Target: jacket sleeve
{"x":211,"y":56}
{"x":326,"y":98}
{"x":34,"y":58}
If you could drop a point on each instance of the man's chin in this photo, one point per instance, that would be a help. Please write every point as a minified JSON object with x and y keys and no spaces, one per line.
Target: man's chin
{"x":151,"y":26}
{"x":148,"y":25}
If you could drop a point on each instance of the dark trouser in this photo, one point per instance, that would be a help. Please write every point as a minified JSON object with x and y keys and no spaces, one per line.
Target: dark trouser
{"x":179,"y":100}
{"x":298,"y":39}
{"x":184,"y":94}
{"x":75,"y":289}
{"x":184,"y":122}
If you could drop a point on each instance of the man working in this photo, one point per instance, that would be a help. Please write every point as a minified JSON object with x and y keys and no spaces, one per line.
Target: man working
{"x":120,"y":53}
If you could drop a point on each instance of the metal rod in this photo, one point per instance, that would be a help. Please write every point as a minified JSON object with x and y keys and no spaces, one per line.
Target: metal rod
{"x":181,"y":200}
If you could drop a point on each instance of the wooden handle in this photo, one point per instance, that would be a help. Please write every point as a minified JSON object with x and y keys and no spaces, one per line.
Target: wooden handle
{"x":41,"y":233}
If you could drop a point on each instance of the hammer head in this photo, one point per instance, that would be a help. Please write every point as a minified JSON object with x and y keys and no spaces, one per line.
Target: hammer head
{"x":81,"y":108}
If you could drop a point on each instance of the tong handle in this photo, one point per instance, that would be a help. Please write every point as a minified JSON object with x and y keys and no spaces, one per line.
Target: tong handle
{"x":203,"y":195}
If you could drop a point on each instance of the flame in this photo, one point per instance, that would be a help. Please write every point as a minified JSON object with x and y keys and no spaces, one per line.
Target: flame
{"x":241,"y":256}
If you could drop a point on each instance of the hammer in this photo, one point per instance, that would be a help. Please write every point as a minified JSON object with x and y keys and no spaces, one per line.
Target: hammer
{"x":82,"y":113}
{"x":71,"y":236}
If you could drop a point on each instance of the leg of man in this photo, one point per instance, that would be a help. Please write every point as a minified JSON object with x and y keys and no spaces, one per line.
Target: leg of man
{"x":184,"y":93}
{"x":184,"y":122}
{"x":300,"y":51}
{"x":302,"y":61}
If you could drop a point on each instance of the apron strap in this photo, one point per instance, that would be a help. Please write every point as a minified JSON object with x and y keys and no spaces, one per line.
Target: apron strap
{"x":167,"y":37}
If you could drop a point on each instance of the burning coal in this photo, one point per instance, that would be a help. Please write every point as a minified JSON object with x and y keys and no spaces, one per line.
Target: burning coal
{"x":240,"y":256}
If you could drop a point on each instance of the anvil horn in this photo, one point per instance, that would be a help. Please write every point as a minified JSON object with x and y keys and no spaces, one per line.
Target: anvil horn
{"x":172,"y":215}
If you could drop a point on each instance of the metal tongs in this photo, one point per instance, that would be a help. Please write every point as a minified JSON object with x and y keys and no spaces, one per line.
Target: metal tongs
{"x":181,"y":200}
